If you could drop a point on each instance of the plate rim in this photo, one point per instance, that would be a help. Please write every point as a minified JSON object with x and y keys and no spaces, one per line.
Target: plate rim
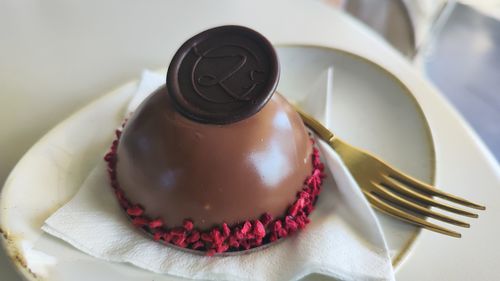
{"x":398,"y":259}
{"x":14,"y":253}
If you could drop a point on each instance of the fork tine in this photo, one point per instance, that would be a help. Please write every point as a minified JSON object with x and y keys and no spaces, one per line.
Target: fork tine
{"x":412,"y":182}
{"x":414,"y":207}
{"x":393,"y":211}
{"x":391,"y":182}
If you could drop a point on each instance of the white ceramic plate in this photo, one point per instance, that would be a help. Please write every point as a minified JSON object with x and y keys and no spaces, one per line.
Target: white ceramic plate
{"x":372,"y":109}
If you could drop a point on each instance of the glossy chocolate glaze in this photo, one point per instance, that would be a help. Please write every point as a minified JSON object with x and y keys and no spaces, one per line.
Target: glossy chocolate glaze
{"x":180,"y":169}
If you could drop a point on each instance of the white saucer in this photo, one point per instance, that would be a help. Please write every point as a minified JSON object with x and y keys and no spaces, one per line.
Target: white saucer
{"x":372,"y":109}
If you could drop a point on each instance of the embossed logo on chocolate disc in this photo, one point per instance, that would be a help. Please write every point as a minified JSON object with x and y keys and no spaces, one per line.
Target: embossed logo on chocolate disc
{"x":223,"y":75}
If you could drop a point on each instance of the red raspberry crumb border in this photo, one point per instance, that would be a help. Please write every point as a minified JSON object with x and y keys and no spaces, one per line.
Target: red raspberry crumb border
{"x":223,"y":238}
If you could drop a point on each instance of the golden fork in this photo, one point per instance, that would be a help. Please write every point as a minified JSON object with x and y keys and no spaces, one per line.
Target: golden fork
{"x":391,"y":191}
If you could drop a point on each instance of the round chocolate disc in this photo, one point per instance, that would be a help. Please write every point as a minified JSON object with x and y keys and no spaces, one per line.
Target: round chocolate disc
{"x":223,"y":75}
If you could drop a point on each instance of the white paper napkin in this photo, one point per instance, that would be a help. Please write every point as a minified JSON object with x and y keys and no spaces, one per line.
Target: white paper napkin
{"x":343,"y":240}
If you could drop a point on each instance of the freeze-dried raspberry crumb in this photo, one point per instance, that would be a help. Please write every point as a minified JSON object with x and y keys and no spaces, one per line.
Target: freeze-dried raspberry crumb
{"x":246,"y":227}
{"x":167,"y":237}
{"x":206,"y":237}
{"x":266,"y":219}
{"x":225,"y":230}
{"x":194,"y":237}
{"x":157,"y":236}
{"x":217,"y":238}
{"x":197,"y":245}
{"x":180,"y":240}
{"x":139,"y":221}
{"x":135,"y":211}
{"x":222,"y":248}
{"x":178,"y":231}
{"x":155,"y":223}
{"x":234,"y":242}
{"x":188,"y":225}
{"x":290,"y":224}
{"x":259,"y":229}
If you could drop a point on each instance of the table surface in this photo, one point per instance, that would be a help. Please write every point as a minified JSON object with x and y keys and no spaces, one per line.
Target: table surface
{"x":463,"y":61}
{"x":56,"y":56}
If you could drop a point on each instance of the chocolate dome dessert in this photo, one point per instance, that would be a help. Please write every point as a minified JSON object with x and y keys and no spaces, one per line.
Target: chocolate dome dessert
{"x":216,"y":160}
